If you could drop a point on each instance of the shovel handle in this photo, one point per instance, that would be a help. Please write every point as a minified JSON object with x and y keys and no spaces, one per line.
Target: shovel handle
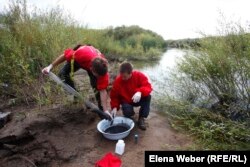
{"x":96,"y":110}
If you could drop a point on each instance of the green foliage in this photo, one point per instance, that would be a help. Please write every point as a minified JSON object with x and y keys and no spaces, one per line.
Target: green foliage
{"x":211,"y":91}
{"x":221,"y":71}
{"x":213,"y":131}
{"x":125,"y":43}
{"x":28,"y":42}
{"x":137,"y":41}
{"x":184,"y":43}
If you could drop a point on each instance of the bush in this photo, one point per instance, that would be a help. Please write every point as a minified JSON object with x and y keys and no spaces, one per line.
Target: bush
{"x":210,"y":90}
{"x":219,"y":73}
{"x":28,"y":42}
{"x":137,"y":42}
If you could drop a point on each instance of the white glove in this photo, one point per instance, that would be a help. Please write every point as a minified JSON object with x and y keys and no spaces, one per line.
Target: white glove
{"x":46,"y":70}
{"x":137,"y":97}
{"x":108,"y":113}
{"x":113,"y":112}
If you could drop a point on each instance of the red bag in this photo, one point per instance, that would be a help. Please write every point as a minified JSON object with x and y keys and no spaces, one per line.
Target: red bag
{"x":109,"y":160}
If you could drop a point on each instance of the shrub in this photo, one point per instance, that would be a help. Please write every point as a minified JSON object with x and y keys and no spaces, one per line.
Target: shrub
{"x":28,"y":41}
{"x":137,"y":42}
{"x":208,"y":94}
{"x":220,"y":73}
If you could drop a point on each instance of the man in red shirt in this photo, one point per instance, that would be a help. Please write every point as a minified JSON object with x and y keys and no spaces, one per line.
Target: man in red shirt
{"x":131,"y":88}
{"x":93,"y":61}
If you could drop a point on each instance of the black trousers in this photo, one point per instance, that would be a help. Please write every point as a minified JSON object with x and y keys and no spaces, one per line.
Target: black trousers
{"x":64,"y":74}
{"x":144,"y":103}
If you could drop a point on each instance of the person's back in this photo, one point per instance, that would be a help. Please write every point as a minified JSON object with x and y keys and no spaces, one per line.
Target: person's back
{"x":83,"y":55}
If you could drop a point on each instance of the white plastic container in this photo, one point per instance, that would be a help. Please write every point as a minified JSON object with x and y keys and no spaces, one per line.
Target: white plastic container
{"x":120,"y":147}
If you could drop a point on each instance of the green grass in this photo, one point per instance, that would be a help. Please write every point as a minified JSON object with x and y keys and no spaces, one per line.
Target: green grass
{"x":211,"y":131}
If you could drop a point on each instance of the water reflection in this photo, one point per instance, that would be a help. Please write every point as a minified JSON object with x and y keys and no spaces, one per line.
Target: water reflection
{"x":159,"y":72}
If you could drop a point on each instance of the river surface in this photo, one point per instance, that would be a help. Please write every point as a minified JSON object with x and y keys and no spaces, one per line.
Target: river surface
{"x":159,"y":72}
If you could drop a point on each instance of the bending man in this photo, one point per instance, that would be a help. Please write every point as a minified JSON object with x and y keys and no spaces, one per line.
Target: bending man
{"x":93,"y":61}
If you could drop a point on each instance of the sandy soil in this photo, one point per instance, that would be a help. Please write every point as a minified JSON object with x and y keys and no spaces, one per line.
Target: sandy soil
{"x":68,"y":138}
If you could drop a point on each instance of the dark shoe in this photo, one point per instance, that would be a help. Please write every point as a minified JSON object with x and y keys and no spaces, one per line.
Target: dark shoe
{"x":141,"y":123}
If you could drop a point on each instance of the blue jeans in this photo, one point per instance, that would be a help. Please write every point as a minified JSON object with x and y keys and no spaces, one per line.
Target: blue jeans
{"x":144,"y":103}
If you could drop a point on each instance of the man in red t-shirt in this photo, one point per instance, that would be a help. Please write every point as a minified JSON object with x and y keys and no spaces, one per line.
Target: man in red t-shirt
{"x":93,"y":61}
{"x":131,"y":88}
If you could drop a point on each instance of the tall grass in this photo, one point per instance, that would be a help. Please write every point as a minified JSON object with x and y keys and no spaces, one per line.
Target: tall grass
{"x":220,"y":72}
{"x":28,"y":42}
{"x":212,"y":90}
{"x":210,"y":130}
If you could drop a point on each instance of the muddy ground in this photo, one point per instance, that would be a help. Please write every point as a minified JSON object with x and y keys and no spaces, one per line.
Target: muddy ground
{"x":66,"y":136}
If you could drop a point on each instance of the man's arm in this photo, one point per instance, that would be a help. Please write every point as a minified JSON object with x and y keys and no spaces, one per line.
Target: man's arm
{"x":104,"y":100}
{"x":58,"y":60}
{"x":114,"y":96}
{"x":146,"y":87}
{"x":55,"y":63}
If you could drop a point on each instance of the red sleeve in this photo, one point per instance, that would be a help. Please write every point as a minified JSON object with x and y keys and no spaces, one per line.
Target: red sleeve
{"x":68,"y":54}
{"x":103,"y":82}
{"x":145,"y":86}
{"x":114,"y":96}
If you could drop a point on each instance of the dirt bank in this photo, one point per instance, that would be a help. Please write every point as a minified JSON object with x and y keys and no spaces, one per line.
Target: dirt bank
{"x":67,"y":137}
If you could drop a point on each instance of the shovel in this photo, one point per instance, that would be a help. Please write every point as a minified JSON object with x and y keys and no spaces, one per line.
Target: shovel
{"x":72,"y":91}
{"x":65,"y":86}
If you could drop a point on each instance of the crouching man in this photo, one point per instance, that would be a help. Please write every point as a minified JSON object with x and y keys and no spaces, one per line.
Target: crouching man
{"x":131,"y":89}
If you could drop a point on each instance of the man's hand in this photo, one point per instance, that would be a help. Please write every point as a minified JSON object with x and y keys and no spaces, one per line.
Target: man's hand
{"x":137,"y":97}
{"x":46,"y":70}
{"x":108,"y":113}
{"x":113,"y":112}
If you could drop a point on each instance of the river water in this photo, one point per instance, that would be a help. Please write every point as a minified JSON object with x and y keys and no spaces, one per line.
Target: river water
{"x":160,"y":71}
{"x":164,"y":84}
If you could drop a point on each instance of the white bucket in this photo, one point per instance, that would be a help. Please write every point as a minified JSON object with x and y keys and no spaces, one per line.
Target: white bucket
{"x":105,"y":124}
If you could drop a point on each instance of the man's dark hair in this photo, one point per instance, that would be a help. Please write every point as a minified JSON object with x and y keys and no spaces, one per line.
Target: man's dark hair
{"x":126,"y":67}
{"x":77,"y":47}
{"x":100,"y":66}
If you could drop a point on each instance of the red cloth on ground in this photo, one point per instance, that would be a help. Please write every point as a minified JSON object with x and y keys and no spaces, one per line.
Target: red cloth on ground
{"x":109,"y":160}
